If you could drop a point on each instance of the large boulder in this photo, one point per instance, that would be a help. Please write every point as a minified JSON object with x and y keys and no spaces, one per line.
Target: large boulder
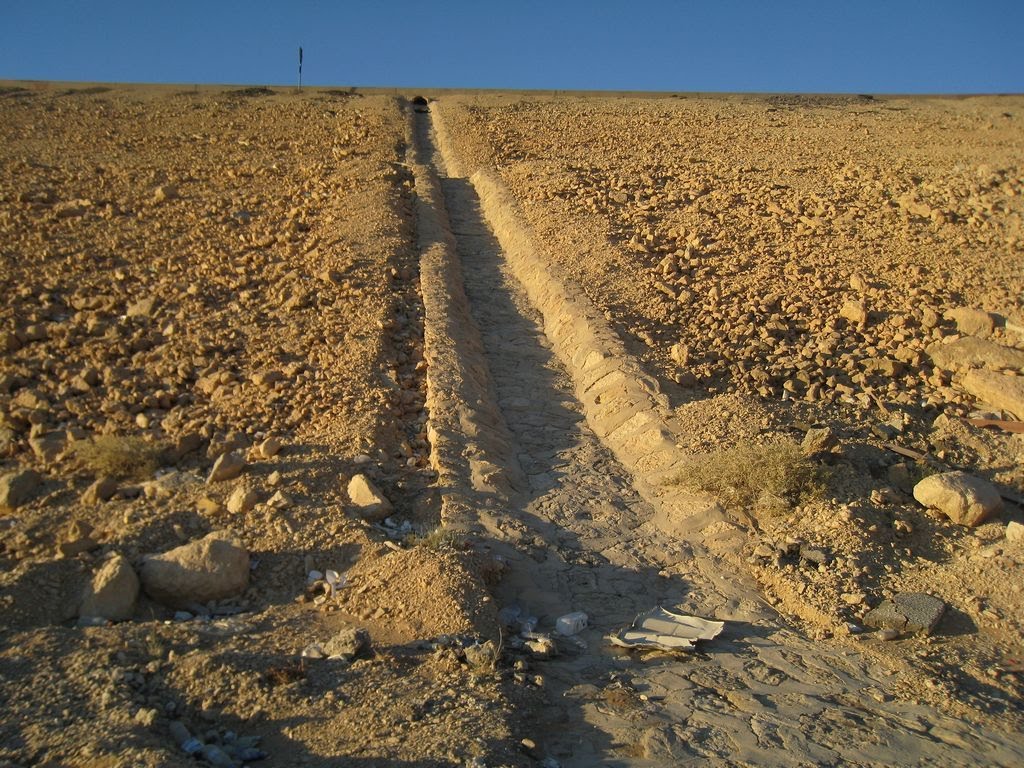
{"x":113,"y":591}
{"x":963,"y":498}
{"x":212,"y":568}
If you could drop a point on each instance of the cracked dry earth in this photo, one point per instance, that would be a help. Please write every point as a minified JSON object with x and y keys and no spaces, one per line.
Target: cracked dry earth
{"x":510,"y":491}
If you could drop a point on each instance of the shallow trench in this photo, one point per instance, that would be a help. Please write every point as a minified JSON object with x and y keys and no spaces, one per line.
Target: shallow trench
{"x":577,"y":535}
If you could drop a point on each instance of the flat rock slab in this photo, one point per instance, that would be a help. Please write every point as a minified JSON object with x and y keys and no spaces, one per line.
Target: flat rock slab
{"x":1004,"y":391}
{"x":907,"y":612}
{"x":963,"y":498}
{"x":971,"y":352}
{"x":972,"y":320}
{"x":211,"y":568}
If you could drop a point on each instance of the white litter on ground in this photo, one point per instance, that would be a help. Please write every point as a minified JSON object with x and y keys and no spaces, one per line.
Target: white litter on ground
{"x":659,"y":629}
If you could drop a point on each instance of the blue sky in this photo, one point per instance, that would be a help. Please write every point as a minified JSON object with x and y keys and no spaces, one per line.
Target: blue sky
{"x":856,"y":46}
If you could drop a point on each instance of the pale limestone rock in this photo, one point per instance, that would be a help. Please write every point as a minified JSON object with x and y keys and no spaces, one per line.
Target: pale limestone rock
{"x":113,"y":591}
{"x":142,"y":308}
{"x":270,"y":447}
{"x":1014,"y":532}
{"x":963,"y":498}
{"x":972,"y":352}
{"x":1001,"y":390}
{"x":371,"y":503}
{"x":855,"y":312}
{"x":18,"y":487}
{"x":211,"y":568}
{"x":242,"y":500}
{"x":972,"y":321}
{"x":227,"y":467}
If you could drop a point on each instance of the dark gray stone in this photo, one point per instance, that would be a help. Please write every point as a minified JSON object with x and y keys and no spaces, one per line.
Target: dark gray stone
{"x":347,"y":643}
{"x":907,"y":612}
{"x":817,"y":555}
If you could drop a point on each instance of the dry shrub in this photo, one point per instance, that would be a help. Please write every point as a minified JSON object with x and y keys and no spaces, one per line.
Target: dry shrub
{"x":436,"y":540}
{"x":119,"y":456}
{"x":770,"y":478}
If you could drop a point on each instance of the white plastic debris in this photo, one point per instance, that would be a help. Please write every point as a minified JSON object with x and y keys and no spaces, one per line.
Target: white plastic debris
{"x":659,"y":629}
{"x":314,"y":651}
{"x":335,"y":580}
{"x":571,"y":623}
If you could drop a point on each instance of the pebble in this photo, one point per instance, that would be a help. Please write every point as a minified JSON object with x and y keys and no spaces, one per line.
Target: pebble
{"x":855,"y":312}
{"x":103,"y":489}
{"x":242,"y":500}
{"x":279,"y":500}
{"x":270,"y":447}
{"x":1014,"y":532}
{"x":571,"y":623}
{"x":818,"y":440}
{"x":76,"y":539}
{"x":347,"y":643}
{"x":227,"y":467}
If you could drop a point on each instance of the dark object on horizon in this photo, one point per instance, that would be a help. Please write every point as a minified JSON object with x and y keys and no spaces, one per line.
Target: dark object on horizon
{"x":419,"y":104}
{"x":300,"y":67}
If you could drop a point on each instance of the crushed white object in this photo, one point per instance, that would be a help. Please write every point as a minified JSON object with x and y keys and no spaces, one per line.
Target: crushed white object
{"x":314,"y":651}
{"x":335,"y":580}
{"x":663,"y":630}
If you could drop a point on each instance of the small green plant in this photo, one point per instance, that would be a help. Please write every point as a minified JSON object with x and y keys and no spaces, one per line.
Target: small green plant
{"x":770,"y":478}
{"x":119,"y":456}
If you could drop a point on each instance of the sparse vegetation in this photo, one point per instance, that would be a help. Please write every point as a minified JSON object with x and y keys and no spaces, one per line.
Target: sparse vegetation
{"x":437,"y":539}
{"x":119,"y":456}
{"x":770,"y":478}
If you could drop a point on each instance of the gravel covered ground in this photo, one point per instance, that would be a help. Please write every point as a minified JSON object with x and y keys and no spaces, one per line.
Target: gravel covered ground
{"x":188,"y":274}
{"x":786,"y":263}
{"x":212,"y":322}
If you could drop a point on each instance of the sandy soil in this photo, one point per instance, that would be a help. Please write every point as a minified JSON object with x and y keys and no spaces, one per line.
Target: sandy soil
{"x":207,"y":269}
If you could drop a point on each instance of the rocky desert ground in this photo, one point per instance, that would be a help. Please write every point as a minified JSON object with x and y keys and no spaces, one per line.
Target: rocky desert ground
{"x":344,"y":427}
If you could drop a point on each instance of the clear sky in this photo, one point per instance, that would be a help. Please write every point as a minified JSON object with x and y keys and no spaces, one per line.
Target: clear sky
{"x":856,"y":46}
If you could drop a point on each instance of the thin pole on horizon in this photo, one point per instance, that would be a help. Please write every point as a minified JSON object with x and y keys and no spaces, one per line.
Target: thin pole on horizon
{"x":300,"y":67}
